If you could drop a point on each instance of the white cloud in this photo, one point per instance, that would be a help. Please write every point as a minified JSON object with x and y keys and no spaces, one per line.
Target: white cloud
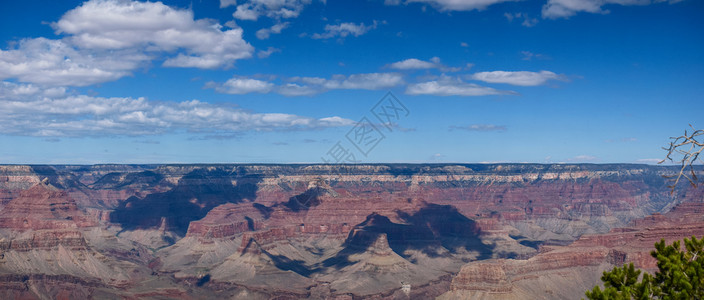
{"x":555,"y":9}
{"x":153,"y":26}
{"x":364,"y":81}
{"x":29,"y":112}
{"x":292,"y":90}
{"x":413,"y":63}
{"x":226,"y":3}
{"x":336,"y":121}
{"x":527,"y":21}
{"x":108,"y":39}
{"x":268,"y":52}
{"x":246,"y":12}
{"x":54,"y":62}
{"x":650,"y":161}
{"x":190,"y":61}
{"x":240,"y":86}
{"x":522,"y":78}
{"x":566,"y":8}
{"x":453,"y":5}
{"x":278,"y":9}
{"x":14,"y":91}
{"x":527,"y":55}
{"x":446,"y":86}
{"x":264,"y":33}
{"x":417,"y":64}
{"x":342,"y":30}
{"x":231,"y":24}
{"x":307,"y":86}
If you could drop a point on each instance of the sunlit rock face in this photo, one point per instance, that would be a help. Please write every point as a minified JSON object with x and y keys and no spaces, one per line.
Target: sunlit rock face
{"x":568,"y":271}
{"x":330,"y":231}
{"x":43,"y":207}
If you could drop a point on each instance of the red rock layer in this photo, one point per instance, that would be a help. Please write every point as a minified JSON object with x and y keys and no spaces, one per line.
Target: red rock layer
{"x":551,"y":199}
{"x":488,"y":277}
{"x":43,"y":207}
{"x":620,"y":246}
{"x":272,"y":235}
{"x":227,"y":220}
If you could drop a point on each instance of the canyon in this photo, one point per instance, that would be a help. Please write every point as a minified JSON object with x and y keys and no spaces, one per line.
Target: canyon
{"x":294,"y":231}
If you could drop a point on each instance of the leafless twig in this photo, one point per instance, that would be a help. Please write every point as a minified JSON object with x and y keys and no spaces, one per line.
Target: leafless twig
{"x":689,"y":147}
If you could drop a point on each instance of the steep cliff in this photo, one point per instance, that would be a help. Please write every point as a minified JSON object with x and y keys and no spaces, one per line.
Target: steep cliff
{"x":577,"y":267}
{"x":325,"y":231}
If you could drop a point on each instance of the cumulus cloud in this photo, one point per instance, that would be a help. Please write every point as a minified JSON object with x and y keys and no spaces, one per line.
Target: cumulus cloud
{"x":279,"y":9}
{"x":479,"y":127}
{"x":556,"y":9}
{"x":364,"y":81}
{"x":246,"y":12}
{"x":265,"y":33}
{"x":108,"y":39}
{"x":293,"y":90}
{"x":55,"y":62}
{"x":153,"y":26}
{"x":522,"y":78}
{"x":28,"y":111}
{"x":417,"y":64}
{"x":241,"y":86}
{"x":12,"y":91}
{"x":414,"y":64}
{"x":566,"y":8}
{"x":446,"y":86}
{"x":308,"y":86}
{"x":343,"y":30}
{"x":453,"y":5}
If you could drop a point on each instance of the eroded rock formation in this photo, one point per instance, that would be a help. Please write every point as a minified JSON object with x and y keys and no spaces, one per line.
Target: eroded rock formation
{"x":326,"y":231}
{"x":580,"y":264}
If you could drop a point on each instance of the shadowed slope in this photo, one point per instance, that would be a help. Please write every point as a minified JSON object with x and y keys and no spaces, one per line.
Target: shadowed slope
{"x":195,"y":195}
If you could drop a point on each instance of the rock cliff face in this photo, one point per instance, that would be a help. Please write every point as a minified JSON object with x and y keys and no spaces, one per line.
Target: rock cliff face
{"x":591,"y":254}
{"x":43,"y":207}
{"x":45,"y":249}
{"x":330,"y":231}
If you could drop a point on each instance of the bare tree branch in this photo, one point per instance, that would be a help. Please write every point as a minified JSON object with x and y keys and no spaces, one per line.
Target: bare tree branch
{"x":685,"y":150}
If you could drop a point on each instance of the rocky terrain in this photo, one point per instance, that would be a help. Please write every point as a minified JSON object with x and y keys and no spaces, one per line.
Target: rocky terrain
{"x":567,"y":271}
{"x":396,"y":231}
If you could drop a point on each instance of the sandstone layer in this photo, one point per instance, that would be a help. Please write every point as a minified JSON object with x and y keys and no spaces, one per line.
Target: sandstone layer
{"x":381,"y":231}
{"x":568,"y":271}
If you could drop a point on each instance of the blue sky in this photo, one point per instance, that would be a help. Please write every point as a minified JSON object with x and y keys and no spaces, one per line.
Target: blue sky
{"x":113,"y":81}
